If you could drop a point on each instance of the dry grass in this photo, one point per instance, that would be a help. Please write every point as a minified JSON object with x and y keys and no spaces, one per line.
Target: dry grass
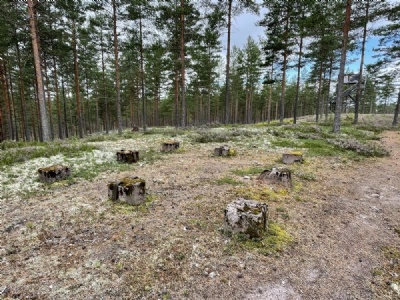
{"x":328,"y":240}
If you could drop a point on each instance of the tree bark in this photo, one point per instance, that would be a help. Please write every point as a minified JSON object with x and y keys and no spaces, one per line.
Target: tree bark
{"x":346,"y":27}
{"x":183,"y":96}
{"x":228,"y":58}
{"x":296,"y":100}
{"x":396,"y":112}
{"x":22,"y":96}
{"x":59,"y":122}
{"x":76,"y":75}
{"x":117,"y":75}
{"x":144,"y":109}
{"x":44,"y":121}
{"x":358,"y":92}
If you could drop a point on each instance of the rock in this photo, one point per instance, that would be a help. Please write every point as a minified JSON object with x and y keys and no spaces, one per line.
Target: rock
{"x":127,"y":156}
{"x":276,"y":175}
{"x":169,"y":146}
{"x":212,"y":274}
{"x":395,"y":287}
{"x":246,"y":177}
{"x":224,"y":150}
{"x":53,"y":173}
{"x":129,"y":189}
{"x":247,"y":216}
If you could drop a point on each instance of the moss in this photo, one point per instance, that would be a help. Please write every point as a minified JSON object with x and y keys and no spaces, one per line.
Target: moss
{"x":275,"y":240}
{"x":130,"y":181}
{"x":263,"y":194}
{"x":232,"y":152}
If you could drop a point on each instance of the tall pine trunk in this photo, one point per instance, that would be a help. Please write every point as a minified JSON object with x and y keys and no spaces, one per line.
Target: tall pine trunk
{"x":44,"y":121}
{"x":183,"y":96}
{"x":76,"y":75}
{"x":358,"y":92}
{"x":346,"y":28}
{"x":296,"y":100}
{"x":144,"y":109}
{"x":117,"y":75}
{"x":228,"y":58}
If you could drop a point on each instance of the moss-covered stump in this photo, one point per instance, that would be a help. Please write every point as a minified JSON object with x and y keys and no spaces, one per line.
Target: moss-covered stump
{"x":290,"y":158}
{"x":131,"y":190}
{"x":224,"y":151}
{"x":275,"y":175}
{"x":54,"y":173}
{"x":169,"y":146}
{"x":247,"y":216}
{"x":127,"y":156}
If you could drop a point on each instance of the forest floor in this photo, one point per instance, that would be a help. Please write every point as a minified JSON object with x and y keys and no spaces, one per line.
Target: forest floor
{"x":337,"y":231}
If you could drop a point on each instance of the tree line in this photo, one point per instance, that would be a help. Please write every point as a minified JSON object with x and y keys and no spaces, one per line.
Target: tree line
{"x":73,"y":68}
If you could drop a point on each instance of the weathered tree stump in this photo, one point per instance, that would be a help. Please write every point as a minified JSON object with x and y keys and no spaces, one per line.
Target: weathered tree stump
{"x":275,"y":175}
{"x":169,"y":146}
{"x":224,"y":150}
{"x":290,"y":158}
{"x":54,"y":173}
{"x":135,"y":128}
{"x":127,"y":156}
{"x":131,"y":190}
{"x":247,"y":216}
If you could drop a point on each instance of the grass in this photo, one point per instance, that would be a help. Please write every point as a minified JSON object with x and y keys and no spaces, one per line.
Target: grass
{"x":228,"y":180}
{"x":262,"y":194}
{"x":14,"y":155}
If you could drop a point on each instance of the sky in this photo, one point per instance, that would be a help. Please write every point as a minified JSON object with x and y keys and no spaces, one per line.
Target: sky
{"x":244,"y":25}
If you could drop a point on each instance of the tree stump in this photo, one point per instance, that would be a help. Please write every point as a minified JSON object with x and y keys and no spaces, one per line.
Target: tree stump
{"x":54,"y":173}
{"x":224,"y":151}
{"x":131,"y":190}
{"x":169,"y":146}
{"x":247,"y":216}
{"x":275,"y":175}
{"x":290,"y":158}
{"x":135,"y":128}
{"x":127,"y":156}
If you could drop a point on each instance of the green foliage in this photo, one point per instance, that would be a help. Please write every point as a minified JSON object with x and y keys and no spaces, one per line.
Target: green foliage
{"x":228,"y":180}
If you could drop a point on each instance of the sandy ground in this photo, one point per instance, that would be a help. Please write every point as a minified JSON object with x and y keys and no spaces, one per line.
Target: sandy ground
{"x":73,"y":243}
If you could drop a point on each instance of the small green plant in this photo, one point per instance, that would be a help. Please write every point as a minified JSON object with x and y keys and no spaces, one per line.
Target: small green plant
{"x":228,"y":180}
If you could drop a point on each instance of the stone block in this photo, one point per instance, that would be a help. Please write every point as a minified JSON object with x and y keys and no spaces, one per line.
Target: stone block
{"x":276,"y":175}
{"x":169,"y":146}
{"x":224,"y":151}
{"x":127,"y":156}
{"x":54,"y":173}
{"x":131,"y":190}
{"x":247,"y":216}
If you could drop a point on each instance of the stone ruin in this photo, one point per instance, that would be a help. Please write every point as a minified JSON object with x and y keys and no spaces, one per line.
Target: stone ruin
{"x":277,"y":175}
{"x":169,"y":146}
{"x":224,"y":151}
{"x":290,"y":158}
{"x":131,"y":190}
{"x":54,"y":173}
{"x":247,"y":216}
{"x":127,"y":156}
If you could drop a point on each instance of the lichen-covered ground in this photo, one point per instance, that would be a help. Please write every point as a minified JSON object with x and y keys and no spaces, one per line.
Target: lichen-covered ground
{"x":68,"y":241}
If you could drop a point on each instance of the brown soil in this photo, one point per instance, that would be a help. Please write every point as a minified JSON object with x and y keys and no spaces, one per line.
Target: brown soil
{"x":73,"y":243}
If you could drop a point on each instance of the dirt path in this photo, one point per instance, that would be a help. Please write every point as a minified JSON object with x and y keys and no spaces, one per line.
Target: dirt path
{"x":73,"y":243}
{"x":343,"y":237}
